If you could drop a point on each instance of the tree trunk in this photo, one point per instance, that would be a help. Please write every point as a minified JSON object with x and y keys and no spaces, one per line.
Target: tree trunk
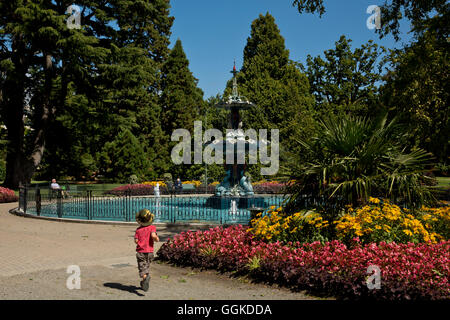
{"x":20,"y":165}
{"x":13,"y":100}
{"x":46,"y":113}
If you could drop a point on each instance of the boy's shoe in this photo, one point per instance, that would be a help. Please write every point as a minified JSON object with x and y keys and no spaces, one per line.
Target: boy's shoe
{"x":145,"y":283}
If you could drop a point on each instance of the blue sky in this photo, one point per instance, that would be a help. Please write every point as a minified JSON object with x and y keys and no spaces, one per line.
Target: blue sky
{"x":215,"y":32}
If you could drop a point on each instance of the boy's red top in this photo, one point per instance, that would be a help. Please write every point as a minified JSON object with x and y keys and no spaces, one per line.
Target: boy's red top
{"x":145,"y":240}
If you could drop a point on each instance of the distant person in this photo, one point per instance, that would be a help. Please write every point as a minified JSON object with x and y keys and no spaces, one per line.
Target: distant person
{"x":144,"y":238}
{"x":178,"y":186}
{"x":55,"y":186}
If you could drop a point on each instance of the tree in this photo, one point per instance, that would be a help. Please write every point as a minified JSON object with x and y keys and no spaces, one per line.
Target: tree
{"x":353,"y":158}
{"x":392,"y":11}
{"x":275,"y":84}
{"x":181,"y":101}
{"x":108,"y":67}
{"x":417,"y":90}
{"x":416,"y":85}
{"x":347,"y":80}
{"x":124,"y":157}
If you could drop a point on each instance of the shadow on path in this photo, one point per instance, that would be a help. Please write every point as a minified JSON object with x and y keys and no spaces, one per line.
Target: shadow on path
{"x":119,"y":286}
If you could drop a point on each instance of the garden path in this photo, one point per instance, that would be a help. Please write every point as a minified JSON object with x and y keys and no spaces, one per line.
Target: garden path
{"x":35,"y":255}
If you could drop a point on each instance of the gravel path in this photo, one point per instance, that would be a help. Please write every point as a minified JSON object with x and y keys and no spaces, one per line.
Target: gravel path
{"x":35,"y":255}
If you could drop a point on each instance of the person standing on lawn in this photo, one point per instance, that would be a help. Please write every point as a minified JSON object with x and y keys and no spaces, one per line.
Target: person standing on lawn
{"x":144,"y":237}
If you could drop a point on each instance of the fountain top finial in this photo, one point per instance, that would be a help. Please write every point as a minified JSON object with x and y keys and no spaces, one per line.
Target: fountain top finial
{"x":235,"y":100}
{"x":234,"y":72}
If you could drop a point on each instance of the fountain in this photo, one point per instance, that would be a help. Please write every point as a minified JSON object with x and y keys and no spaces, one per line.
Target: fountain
{"x":235,"y":188}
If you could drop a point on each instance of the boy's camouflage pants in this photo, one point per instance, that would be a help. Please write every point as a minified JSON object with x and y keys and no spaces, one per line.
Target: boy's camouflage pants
{"x":143,"y":262}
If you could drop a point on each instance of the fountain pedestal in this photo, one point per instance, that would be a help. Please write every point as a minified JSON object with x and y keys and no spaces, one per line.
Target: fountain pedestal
{"x":235,"y":183}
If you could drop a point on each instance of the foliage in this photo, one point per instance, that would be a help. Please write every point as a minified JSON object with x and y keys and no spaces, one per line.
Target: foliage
{"x":181,"y":101}
{"x":133,"y":179}
{"x":275,"y":84}
{"x":2,"y":169}
{"x":346,"y":81}
{"x":409,"y":271}
{"x":392,"y":11}
{"x":353,"y":158}
{"x":123,"y":157}
{"x":7,"y":195}
{"x":417,"y":90}
{"x":78,"y":86}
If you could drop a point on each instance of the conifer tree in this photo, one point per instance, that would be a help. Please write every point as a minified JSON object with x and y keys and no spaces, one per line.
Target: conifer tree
{"x":123,"y":157}
{"x":274,"y":83}
{"x":95,"y":80}
{"x":181,"y":101}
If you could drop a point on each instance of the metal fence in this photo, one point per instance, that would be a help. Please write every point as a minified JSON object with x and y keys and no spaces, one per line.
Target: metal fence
{"x":42,"y":201}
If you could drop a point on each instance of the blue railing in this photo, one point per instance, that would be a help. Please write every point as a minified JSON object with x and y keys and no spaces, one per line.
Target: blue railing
{"x":167,"y":209}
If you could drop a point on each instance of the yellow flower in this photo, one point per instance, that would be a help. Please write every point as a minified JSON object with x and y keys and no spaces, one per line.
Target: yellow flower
{"x":407,"y":232}
{"x":374,"y":200}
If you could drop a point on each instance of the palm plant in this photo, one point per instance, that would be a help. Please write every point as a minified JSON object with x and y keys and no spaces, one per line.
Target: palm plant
{"x":353,"y":158}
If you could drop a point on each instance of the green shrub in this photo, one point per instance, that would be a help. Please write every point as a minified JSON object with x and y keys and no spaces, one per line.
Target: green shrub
{"x":123,"y":157}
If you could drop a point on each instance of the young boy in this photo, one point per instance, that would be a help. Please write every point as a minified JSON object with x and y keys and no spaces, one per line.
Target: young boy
{"x":144,"y":238}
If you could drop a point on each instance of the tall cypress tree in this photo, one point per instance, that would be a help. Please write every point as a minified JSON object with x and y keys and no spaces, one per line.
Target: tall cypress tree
{"x":274,"y":83}
{"x":181,"y":100}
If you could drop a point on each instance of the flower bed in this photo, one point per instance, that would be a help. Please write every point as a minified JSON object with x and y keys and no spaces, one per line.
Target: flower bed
{"x":146,"y":188}
{"x":377,"y":221}
{"x":408,"y":271}
{"x":7,"y":195}
{"x":153,"y":183}
{"x":268,"y":187}
{"x":381,"y":220}
{"x":136,"y":190}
